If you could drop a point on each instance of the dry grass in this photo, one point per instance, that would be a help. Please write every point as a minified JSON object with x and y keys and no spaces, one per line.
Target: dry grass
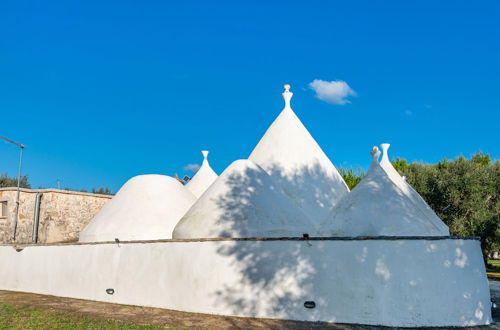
{"x":25,"y":317}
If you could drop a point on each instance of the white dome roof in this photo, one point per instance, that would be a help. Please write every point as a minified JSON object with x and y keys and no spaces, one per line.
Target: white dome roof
{"x":147,"y":207}
{"x":411,"y":193}
{"x":243,"y":202}
{"x":203,"y":178}
{"x":289,"y":153}
{"x":377,"y":206}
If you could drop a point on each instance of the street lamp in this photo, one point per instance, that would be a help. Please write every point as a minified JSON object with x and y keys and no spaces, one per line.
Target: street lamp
{"x":21,"y":147}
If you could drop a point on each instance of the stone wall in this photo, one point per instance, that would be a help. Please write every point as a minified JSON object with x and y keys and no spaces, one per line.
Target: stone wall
{"x":63,"y":214}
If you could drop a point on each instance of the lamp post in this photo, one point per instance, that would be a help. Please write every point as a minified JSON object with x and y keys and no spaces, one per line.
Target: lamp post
{"x":21,"y":147}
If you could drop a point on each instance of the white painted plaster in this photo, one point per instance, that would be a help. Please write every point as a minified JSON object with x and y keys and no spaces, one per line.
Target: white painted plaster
{"x":146,"y":207}
{"x":378,"y":206}
{"x":243,"y":202}
{"x":410,"y":283}
{"x":203,"y":178}
{"x":289,"y":153}
{"x":414,"y":196}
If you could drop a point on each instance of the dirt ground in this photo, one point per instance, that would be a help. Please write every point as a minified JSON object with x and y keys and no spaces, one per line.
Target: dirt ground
{"x":163,"y":317}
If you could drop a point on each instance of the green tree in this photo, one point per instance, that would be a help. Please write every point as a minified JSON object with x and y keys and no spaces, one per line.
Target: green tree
{"x":400,"y":164}
{"x":351,"y":177}
{"x":102,"y":190}
{"x":6,"y":181}
{"x":464,"y":193}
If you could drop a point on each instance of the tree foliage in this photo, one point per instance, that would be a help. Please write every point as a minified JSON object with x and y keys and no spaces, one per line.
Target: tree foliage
{"x":102,"y":190}
{"x":7,"y":181}
{"x":464,"y":193}
{"x":351,"y":177}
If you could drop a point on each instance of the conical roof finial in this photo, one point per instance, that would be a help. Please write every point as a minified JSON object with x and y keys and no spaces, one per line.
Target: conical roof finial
{"x":385,"y":154}
{"x":375,"y":154}
{"x":287,"y":95}
{"x":205,"y":155}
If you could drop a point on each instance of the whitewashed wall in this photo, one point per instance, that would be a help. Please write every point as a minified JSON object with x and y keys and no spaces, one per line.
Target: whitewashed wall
{"x":381,"y":282}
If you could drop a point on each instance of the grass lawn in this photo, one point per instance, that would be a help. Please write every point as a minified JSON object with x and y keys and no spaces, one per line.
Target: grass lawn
{"x":22,"y":317}
{"x":493,"y":268}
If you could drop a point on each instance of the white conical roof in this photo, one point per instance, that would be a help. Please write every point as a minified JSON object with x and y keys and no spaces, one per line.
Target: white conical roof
{"x":147,"y":207}
{"x":203,"y":178}
{"x":289,"y":153}
{"x":243,"y":202}
{"x":414,"y":196}
{"x":377,"y":207}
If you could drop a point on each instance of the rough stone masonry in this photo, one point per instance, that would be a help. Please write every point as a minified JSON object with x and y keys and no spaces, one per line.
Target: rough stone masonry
{"x":63,"y":214}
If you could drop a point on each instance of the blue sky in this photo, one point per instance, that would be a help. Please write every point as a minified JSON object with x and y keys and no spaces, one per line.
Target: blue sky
{"x":100,"y":91}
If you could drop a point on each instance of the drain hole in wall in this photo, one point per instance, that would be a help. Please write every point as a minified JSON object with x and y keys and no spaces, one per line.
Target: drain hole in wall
{"x":19,"y":249}
{"x":305,"y":235}
{"x":309,"y":304}
{"x":110,"y":291}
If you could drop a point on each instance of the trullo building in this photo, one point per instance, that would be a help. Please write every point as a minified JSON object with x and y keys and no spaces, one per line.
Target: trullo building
{"x":147,"y":207}
{"x":381,"y":205}
{"x":203,"y":178}
{"x":289,"y":153}
{"x":243,"y":202}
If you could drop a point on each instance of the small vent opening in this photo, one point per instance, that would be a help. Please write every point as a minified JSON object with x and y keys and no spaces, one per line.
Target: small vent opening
{"x":309,"y":304}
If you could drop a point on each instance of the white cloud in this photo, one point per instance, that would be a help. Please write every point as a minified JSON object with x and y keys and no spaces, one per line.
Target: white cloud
{"x":191,"y":167}
{"x":335,"y":92}
{"x":408,"y":112}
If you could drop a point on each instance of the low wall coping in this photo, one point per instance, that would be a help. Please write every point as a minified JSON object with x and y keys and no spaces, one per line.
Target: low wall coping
{"x":359,"y":238}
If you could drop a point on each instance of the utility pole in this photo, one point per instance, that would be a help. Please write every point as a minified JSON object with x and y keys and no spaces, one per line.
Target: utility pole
{"x":21,"y":147}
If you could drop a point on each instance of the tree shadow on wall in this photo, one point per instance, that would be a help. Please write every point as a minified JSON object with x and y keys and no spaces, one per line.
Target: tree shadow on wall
{"x":271,"y":280}
{"x":275,"y":278}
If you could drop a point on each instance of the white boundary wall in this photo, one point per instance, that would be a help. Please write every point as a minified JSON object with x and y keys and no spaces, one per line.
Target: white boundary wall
{"x":393,"y":282}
